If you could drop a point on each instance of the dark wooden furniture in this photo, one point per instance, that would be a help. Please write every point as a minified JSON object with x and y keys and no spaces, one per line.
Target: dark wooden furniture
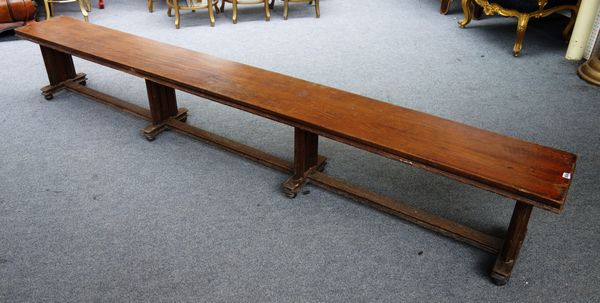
{"x":531,"y":174}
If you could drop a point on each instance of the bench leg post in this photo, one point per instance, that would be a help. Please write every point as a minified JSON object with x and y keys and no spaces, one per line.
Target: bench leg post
{"x":60,"y":69}
{"x":163,"y":106}
{"x":306,"y":158}
{"x":512,"y":243}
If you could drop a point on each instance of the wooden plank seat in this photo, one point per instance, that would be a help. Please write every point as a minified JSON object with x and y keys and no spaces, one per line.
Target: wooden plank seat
{"x":531,"y":174}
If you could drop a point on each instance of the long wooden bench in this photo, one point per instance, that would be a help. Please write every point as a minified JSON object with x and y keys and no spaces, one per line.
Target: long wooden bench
{"x":531,"y":174}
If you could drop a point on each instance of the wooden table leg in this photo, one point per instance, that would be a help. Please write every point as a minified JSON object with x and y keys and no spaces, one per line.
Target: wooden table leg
{"x":163,"y":106}
{"x":60,"y":69}
{"x":512,"y":243}
{"x":306,"y":158}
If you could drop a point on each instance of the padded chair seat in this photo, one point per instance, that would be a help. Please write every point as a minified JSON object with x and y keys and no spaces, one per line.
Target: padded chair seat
{"x":528,"y":6}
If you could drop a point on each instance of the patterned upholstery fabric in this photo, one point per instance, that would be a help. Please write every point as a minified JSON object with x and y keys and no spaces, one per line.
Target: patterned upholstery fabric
{"x":528,"y":6}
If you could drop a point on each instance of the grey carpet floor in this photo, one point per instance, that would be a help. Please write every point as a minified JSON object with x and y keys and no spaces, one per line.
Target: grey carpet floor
{"x":90,"y":211}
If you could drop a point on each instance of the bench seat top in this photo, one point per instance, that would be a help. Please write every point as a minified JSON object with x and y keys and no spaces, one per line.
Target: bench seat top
{"x":533,"y":173}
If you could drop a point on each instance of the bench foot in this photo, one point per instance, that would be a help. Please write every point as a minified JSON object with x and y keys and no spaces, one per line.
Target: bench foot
{"x":49,"y":90}
{"x":163,"y":108}
{"x":293,"y":185}
{"x":512,"y":244}
{"x":306,"y":161}
{"x":152,"y":130}
{"x":60,"y":70}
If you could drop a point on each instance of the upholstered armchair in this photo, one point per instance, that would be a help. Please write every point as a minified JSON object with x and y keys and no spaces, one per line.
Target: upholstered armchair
{"x":523,"y":10}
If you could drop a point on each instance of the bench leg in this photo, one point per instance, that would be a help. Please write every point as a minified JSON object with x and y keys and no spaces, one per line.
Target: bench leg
{"x":163,"y":106}
{"x":60,"y":69}
{"x":512,"y":243}
{"x":306,"y":159}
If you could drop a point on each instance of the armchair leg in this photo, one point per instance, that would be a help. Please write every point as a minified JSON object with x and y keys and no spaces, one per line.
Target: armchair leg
{"x":177,"y":14}
{"x":211,"y":14}
{"x":317,"y":8}
{"x":235,"y":11}
{"x":267,"y":11}
{"x":48,"y":11}
{"x":150,"y":6}
{"x":522,"y":21}
{"x":445,"y":6}
{"x":285,"y":9}
{"x":83,"y":10}
{"x":467,"y":11}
